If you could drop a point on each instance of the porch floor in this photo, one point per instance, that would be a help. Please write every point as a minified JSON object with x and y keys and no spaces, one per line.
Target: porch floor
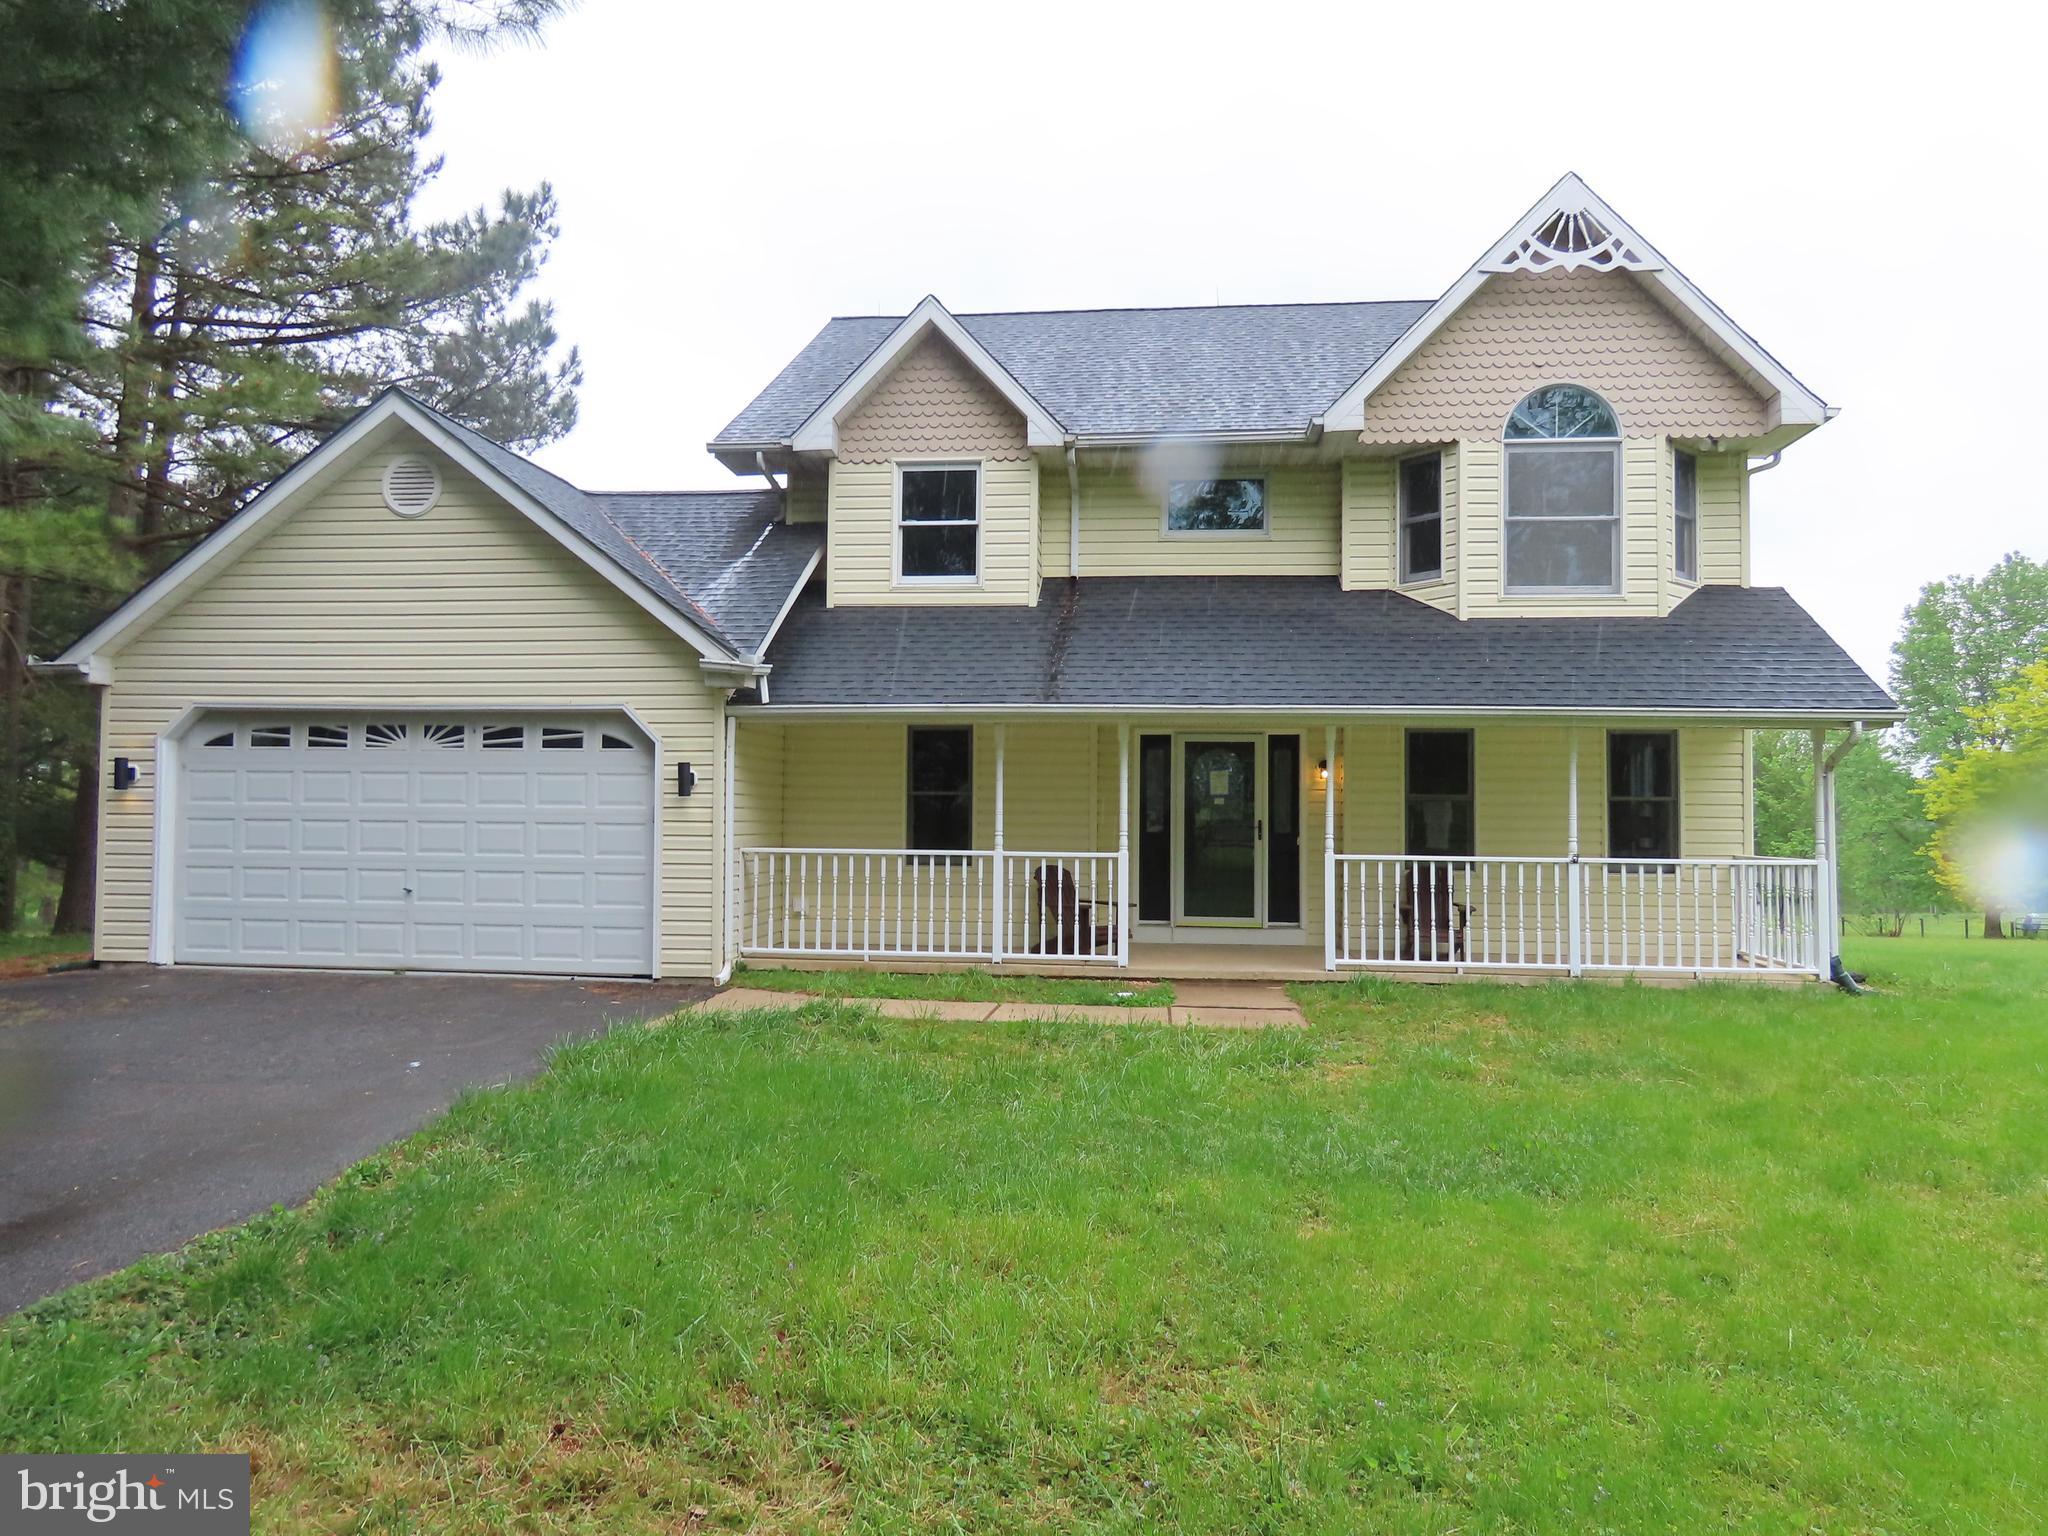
{"x":1254,"y":962}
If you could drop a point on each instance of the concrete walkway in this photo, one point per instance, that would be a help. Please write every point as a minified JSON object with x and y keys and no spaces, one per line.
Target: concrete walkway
{"x":1209,"y":1004}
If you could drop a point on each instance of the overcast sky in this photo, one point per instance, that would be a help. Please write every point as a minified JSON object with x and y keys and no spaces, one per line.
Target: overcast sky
{"x":1866,"y":200}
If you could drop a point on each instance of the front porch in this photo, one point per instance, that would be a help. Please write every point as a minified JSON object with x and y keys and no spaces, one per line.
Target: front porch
{"x":1186,"y":849}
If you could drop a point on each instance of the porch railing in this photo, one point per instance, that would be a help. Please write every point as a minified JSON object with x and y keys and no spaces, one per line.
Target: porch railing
{"x":892,"y":903}
{"x":1696,"y":916}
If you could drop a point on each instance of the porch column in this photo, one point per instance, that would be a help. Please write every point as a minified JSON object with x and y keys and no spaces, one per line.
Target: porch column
{"x":1574,"y":893}
{"x":1123,"y":844}
{"x":1823,"y":853}
{"x":1002,"y":876}
{"x":731,"y":936}
{"x":1330,"y":850}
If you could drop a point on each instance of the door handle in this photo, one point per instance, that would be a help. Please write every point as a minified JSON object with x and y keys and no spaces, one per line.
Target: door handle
{"x":1259,"y":830}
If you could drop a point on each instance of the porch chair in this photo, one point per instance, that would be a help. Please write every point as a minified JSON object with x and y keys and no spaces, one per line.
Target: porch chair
{"x":1428,"y":894}
{"x":1064,"y":924}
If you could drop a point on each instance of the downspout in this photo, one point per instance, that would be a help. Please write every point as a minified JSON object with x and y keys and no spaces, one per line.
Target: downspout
{"x":1073,"y":511}
{"x":1768,"y":464}
{"x":761,"y":463}
{"x":1837,"y":972}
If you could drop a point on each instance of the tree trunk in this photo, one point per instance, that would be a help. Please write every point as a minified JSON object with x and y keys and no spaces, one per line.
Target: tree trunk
{"x":1994,"y":924}
{"x":131,"y":412}
{"x":13,"y":696}
{"x":76,"y":905}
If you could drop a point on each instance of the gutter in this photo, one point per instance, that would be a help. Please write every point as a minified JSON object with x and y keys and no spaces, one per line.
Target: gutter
{"x":1311,"y":711}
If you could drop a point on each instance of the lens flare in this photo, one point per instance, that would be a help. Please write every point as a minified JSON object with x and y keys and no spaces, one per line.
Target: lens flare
{"x":286,"y":85}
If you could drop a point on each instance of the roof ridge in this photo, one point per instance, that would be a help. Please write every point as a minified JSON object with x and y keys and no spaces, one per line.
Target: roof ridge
{"x":1156,"y":309}
{"x":743,"y":490}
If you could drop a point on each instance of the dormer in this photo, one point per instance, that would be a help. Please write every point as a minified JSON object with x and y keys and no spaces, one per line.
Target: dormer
{"x":928,"y":453}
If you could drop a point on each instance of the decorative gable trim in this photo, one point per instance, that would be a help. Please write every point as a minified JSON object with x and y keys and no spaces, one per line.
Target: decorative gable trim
{"x":1570,"y":239}
{"x":820,"y":431}
{"x":91,"y":655}
{"x":1571,"y":227}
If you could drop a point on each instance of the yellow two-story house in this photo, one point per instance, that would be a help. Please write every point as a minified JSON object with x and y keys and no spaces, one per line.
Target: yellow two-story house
{"x":1260,"y":640}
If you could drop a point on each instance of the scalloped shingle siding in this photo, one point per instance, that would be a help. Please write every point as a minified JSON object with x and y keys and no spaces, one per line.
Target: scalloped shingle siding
{"x":932,"y":402}
{"x":1592,"y":328}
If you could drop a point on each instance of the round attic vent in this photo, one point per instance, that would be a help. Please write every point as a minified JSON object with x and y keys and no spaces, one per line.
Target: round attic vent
{"x":411,"y":485}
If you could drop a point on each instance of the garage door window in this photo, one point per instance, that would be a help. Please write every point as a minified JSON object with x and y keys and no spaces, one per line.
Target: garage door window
{"x":504,"y":738}
{"x":271,"y":736}
{"x":328,"y":736}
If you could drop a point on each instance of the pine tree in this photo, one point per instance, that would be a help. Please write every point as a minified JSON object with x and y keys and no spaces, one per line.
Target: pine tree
{"x":187,"y":303}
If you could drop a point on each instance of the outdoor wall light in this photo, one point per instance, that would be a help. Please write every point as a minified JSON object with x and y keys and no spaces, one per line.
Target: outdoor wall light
{"x":124,"y":773}
{"x":685,"y":780}
{"x":1323,"y":771}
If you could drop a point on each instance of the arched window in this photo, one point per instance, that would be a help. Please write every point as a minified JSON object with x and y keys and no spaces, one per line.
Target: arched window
{"x":1562,"y":493}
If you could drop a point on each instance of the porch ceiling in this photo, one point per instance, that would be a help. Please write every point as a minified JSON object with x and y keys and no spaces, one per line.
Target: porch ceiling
{"x":1303,"y":645}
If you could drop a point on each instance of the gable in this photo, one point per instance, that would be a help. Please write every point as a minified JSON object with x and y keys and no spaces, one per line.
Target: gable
{"x":933,"y":402}
{"x":395,"y":424}
{"x":1597,"y":328}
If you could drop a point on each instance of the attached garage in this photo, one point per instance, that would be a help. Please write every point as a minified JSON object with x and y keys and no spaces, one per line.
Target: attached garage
{"x":415,"y":840}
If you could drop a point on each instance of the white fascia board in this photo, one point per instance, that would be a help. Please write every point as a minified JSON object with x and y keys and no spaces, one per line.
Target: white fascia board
{"x":820,"y":431}
{"x":216,"y":552}
{"x":1795,"y":402}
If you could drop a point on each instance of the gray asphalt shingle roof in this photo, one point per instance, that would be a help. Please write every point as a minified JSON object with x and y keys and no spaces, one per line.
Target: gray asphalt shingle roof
{"x":1286,"y":642}
{"x":723,"y":559}
{"x":1127,"y":372}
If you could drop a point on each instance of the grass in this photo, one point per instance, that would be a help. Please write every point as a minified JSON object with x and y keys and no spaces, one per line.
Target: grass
{"x":25,"y":953}
{"x":961,"y":986}
{"x":1455,"y":1259}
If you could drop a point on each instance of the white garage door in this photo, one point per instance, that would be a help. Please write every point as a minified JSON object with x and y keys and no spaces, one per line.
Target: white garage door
{"x":429,"y":842}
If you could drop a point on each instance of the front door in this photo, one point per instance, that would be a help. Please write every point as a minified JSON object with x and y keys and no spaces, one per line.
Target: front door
{"x":1221,"y":831}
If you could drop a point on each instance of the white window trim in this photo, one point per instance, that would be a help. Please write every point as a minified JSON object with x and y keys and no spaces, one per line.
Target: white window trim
{"x":897,"y":525}
{"x":1679,"y":517}
{"x":1402,"y":519}
{"x":1510,"y":447}
{"x":1263,"y":531}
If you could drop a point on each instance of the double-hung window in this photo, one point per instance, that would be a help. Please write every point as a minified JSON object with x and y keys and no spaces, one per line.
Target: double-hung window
{"x":1642,"y":795}
{"x":1685,"y":514}
{"x":1422,"y":518}
{"x":1236,"y":506}
{"x":938,"y":523}
{"x":941,"y":813}
{"x":1439,"y":809}
{"x":1563,"y":494}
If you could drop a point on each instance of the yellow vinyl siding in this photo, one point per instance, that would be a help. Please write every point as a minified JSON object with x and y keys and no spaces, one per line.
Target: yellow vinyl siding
{"x":860,"y":547}
{"x":1122,"y":517}
{"x":345,"y":604}
{"x":1724,"y":530}
{"x":1370,"y":552}
{"x":805,"y":499}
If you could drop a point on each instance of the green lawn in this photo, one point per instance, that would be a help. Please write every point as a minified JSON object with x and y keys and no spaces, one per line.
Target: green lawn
{"x":961,"y":986}
{"x":1456,"y":1259}
{"x":25,"y":953}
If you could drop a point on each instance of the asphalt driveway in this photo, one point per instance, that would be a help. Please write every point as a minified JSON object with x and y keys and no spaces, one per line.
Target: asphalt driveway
{"x":141,"y":1107}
